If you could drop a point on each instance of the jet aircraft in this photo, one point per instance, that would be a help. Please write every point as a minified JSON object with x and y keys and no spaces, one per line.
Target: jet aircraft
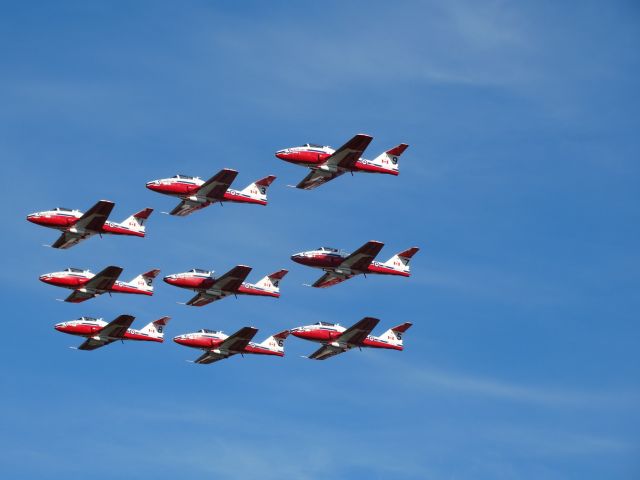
{"x":218,"y":346}
{"x":99,"y":333}
{"x":336,"y":339}
{"x":326,"y":163}
{"x":340,"y":265}
{"x":195,"y":193}
{"x":233,"y":282}
{"x":86,"y":285}
{"x":77,"y":226}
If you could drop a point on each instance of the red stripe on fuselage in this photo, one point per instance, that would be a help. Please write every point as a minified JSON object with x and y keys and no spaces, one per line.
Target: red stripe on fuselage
{"x":369,"y":168}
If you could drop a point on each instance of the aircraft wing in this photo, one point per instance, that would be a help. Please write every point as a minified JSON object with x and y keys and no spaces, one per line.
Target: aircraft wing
{"x":94,"y":218}
{"x":317,"y":178}
{"x":239,"y":340}
{"x":68,"y":240}
{"x":118,"y":327}
{"x":186,"y":207}
{"x":210,"y":357}
{"x":355,"y":334}
{"x":203,"y":298}
{"x":330,"y":279}
{"x":109,"y":333}
{"x":362,"y":258}
{"x":326,"y":351}
{"x":94,"y":343}
{"x":78,"y":296}
{"x":348,"y":154}
{"x":105,"y":279}
{"x":231,"y":281}
{"x":214,"y":188}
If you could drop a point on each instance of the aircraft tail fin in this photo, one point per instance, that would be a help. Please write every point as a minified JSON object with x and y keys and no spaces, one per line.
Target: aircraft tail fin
{"x":275,"y":343}
{"x":394,"y":335}
{"x":400,"y":261}
{"x":156,"y":329}
{"x":258,"y":189}
{"x":389,"y":160}
{"x":271,"y":282}
{"x":144,"y":281}
{"x":136,"y":221}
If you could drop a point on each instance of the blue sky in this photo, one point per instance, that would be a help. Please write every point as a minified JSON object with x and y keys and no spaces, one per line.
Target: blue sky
{"x":520,"y":186}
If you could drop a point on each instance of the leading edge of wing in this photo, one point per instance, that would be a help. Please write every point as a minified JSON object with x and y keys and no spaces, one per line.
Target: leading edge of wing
{"x":356,"y":333}
{"x":348,"y":154}
{"x":94,"y":218}
{"x":239,"y":340}
{"x":104,"y":279}
{"x":363,"y":256}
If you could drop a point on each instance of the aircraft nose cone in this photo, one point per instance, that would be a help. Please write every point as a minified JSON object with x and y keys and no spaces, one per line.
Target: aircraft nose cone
{"x":153,"y":185}
{"x":180,"y":340}
{"x":296,"y":257}
{"x":59,"y":327}
{"x":170,"y":279}
{"x":31,"y":218}
{"x":283,"y":154}
{"x":46,"y":278}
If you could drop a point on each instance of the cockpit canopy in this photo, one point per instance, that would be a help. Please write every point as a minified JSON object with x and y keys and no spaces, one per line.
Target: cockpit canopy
{"x":313,"y":145}
{"x":200,"y":271}
{"x":185,"y":177}
{"x":327,"y":249}
{"x":62,"y":209}
{"x":88,"y":319}
{"x":325,"y":324}
{"x":206,"y":330}
{"x":74,"y":270}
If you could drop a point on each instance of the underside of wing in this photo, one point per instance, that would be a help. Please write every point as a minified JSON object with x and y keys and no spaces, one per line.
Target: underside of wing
{"x":203,"y":298}
{"x":187,"y":207}
{"x":355,"y":334}
{"x":94,"y":218}
{"x":214,"y":188}
{"x":93,"y":343}
{"x":317,"y":178}
{"x":68,"y":240}
{"x":362,"y":258}
{"x":326,"y":351}
{"x":330,"y":279}
{"x":78,"y":296}
{"x":231,"y":281}
{"x":210,"y":357}
{"x":348,"y":154}
{"x":105,"y":279}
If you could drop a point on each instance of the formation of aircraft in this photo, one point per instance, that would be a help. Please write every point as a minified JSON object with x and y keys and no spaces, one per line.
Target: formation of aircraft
{"x":340,"y":265}
{"x":86,"y":285}
{"x":218,"y":346}
{"x":77,"y":226}
{"x":336,"y":339}
{"x":210,"y":288}
{"x":196,"y":194}
{"x":99,"y":333}
{"x":326,"y":163}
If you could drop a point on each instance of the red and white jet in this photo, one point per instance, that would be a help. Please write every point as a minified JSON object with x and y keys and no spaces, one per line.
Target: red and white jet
{"x":77,"y":226}
{"x":196,"y":193}
{"x":218,"y":346}
{"x":100,"y":333}
{"x":340,"y":265}
{"x":86,"y":285}
{"x":326,"y":163}
{"x":336,"y":339}
{"x":233,"y":282}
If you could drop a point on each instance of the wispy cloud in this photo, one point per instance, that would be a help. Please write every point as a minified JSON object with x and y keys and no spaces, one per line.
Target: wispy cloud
{"x":431,"y":379}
